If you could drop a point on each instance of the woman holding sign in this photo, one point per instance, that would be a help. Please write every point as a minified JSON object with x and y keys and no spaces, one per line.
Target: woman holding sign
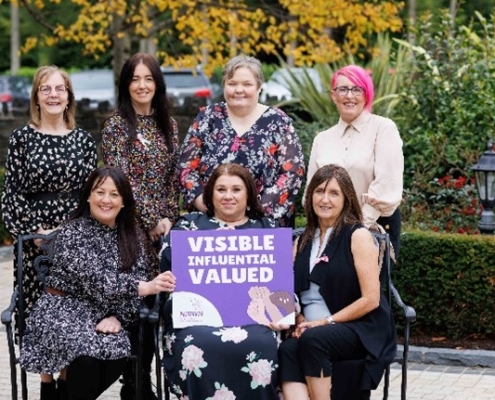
{"x":238,"y":362}
{"x":345,"y":315}
{"x":92,"y":293}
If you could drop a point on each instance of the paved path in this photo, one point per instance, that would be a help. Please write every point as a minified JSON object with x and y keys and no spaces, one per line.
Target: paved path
{"x":426,"y":381}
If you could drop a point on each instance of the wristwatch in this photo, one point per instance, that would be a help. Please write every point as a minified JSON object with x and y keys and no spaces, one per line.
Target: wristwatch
{"x":330,"y":320}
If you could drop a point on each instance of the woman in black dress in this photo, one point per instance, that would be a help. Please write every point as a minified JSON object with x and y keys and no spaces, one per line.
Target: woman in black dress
{"x":47,"y":164}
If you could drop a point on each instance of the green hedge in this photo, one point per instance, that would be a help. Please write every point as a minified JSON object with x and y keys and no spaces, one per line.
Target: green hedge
{"x":450,"y":281}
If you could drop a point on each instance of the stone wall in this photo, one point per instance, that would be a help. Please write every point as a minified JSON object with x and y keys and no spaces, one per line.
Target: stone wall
{"x":89,"y":120}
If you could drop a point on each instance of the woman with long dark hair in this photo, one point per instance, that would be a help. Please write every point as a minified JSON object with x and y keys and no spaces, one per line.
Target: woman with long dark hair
{"x":92,"y":292}
{"x":142,"y":138}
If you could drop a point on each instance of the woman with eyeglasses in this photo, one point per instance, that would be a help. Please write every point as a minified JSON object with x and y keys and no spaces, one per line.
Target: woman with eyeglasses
{"x":47,"y":164}
{"x":368,"y":146}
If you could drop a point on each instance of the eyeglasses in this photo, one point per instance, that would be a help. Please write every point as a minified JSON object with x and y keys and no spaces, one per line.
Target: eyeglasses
{"x":355,"y":90}
{"x":46,"y":90}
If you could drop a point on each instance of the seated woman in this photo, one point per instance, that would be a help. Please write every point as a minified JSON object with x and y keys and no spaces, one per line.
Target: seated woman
{"x":345,"y":316}
{"x":203,"y":362}
{"x":92,"y":292}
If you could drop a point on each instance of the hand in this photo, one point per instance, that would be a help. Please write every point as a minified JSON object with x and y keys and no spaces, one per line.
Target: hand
{"x":278,"y":327}
{"x":165,"y":282}
{"x":42,"y":231}
{"x":298,"y":331}
{"x":162,"y":228}
{"x":109,"y":325}
{"x":312,"y":324}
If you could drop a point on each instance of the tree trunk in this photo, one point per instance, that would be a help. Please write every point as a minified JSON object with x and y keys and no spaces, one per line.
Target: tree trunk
{"x":121,"y":48}
{"x":14,"y":39}
{"x":453,"y":11}
{"x":147,"y":45}
{"x":411,"y":17}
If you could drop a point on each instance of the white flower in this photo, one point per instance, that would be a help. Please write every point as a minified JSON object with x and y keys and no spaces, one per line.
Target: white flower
{"x":234,"y":334}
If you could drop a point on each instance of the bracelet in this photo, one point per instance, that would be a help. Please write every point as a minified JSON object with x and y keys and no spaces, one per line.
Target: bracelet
{"x":330,"y":320}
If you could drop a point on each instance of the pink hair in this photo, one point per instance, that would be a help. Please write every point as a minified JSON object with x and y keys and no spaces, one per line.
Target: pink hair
{"x":359,"y":77}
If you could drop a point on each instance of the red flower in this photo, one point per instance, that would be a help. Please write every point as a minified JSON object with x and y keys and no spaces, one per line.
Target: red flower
{"x":460,"y":182}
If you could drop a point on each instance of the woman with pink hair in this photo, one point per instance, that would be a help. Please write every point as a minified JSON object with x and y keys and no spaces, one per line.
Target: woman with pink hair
{"x":368,"y":146}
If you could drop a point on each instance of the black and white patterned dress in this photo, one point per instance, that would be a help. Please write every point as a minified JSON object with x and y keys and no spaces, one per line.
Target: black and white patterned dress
{"x":87,"y":268}
{"x":39,"y":163}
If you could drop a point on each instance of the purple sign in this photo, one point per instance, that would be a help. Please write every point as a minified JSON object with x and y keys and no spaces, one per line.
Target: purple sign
{"x":231,"y":277}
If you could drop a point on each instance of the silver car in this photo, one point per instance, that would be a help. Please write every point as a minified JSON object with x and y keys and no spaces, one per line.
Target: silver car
{"x":277,"y":88}
{"x":94,"y":89}
{"x":189,"y":87}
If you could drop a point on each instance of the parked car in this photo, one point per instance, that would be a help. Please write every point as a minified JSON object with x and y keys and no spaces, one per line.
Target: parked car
{"x":94,"y":89}
{"x":189,"y":88}
{"x":277,"y":88}
{"x":14,"y":95}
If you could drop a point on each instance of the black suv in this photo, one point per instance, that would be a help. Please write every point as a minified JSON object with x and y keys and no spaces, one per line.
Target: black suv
{"x":189,"y":88}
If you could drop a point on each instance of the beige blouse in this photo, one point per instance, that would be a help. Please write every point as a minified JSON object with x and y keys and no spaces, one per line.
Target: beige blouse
{"x":370,"y":149}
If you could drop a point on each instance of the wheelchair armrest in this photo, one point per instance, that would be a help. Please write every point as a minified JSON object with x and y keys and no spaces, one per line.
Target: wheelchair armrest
{"x":409,"y":312}
{"x":152,"y":315}
{"x":7,"y":313}
{"x":154,"y":312}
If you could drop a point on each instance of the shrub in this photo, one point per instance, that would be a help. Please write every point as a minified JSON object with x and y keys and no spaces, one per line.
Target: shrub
{"x":449,"y":279}
{"x":446,"y":112}
{"x":444,"y":204}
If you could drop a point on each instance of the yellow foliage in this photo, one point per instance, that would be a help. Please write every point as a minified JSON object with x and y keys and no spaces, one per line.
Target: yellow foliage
{"x":222,"y":28}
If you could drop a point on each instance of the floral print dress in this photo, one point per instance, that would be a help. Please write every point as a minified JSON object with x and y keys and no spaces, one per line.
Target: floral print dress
{"x":227,"y":363}
{"x":87,"y":268}
{"x":270,"y":150}
{"x":151,"y":168}
{"x":39,"y":163}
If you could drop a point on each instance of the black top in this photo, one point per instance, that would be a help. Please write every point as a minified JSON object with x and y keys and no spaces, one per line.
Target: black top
{"x":339,"y":287}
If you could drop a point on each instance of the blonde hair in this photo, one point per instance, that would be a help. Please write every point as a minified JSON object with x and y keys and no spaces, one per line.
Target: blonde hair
{"x":240,"y":61}
{"x":70,"y":112}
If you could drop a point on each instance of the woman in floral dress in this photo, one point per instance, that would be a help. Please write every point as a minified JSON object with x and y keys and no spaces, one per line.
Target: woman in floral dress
{"x":243,"y":131}
{"x":47,"y":164}
{"x":141,"y":138}
{"x":92,"y":291}
{"x":225,"y":363}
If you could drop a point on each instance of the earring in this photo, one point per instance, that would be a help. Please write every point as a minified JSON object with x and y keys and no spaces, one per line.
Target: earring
{"x":248,"y":208}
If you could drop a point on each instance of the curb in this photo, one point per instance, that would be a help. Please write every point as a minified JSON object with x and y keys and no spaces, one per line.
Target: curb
{"x":450,"y":357}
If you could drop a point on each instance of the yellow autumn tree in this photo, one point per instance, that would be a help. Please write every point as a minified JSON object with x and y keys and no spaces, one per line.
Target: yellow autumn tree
{"x":188,"y":32}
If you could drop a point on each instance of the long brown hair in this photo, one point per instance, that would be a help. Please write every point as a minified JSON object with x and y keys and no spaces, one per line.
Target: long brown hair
{"x":351,"y":212}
